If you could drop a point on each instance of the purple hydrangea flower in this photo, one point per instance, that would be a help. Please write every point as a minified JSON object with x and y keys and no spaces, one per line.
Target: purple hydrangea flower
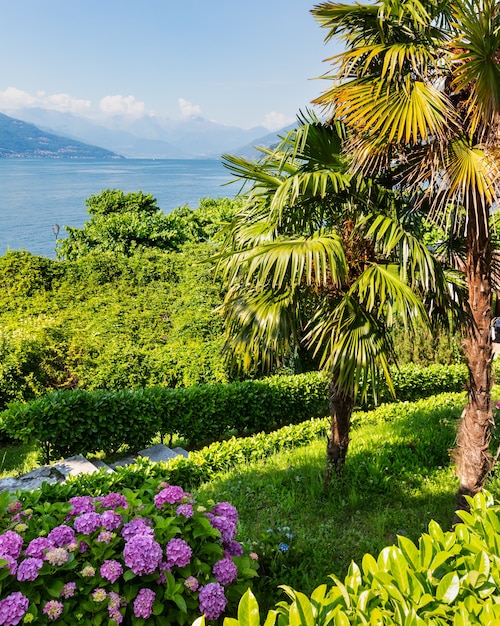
{"x":111,"y":520}
{"x":114,"y":501}
{"x":13,"y":608}
{"x":11,"y":543}
{"x":233,"y":548}
{"x":11,"y":563}
{"x":227,"y":510}
{"x":82,"y":504}
{"x":142,"y":554}
{"x":225,"y":526}
{"x":68,"y":590}
{"x":104,"y":536}
{"x":212,"y":600}
{"x":186,"y":510}
{"x":171,"y":495}
{"x":37,"y":547}
{"x":114,"y":604}
{"x":178,"y":552}
{"x":29,"y":568}
{"x":87,"y":523}
{"x":61,"y":535}
{"x":111,"y":570}
{"x":53,"y":609}
{"x":143,"y":603}
{"x":138,"y":526}
{"x":225,"y":571}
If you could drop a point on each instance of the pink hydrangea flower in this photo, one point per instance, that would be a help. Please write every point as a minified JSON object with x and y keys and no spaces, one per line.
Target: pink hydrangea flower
{"x":53,"y":609}
{"x":111,"y":520}
{"x":68,"y":590}
{"x":170,"y":495}
{"x":111,"y":570}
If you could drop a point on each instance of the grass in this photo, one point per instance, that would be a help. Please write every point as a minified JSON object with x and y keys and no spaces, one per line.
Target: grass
{"x":398,"y":477}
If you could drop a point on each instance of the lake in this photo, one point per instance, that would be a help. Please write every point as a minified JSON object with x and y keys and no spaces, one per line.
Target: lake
{"x":35,"y":194}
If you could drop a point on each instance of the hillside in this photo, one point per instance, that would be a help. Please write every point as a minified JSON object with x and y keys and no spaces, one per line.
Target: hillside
{"x":20,"y":139}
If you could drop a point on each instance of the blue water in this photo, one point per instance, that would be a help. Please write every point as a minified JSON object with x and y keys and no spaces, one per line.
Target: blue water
{"x":35,"y":194}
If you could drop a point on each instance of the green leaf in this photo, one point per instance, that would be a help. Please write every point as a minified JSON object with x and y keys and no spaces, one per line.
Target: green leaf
{"x":301,"y":611}
{"x":248,"y":610}
{"x":448,"y":588}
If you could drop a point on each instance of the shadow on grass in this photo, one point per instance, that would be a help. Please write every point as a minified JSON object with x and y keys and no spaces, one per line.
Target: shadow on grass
{"x":398,"y":477}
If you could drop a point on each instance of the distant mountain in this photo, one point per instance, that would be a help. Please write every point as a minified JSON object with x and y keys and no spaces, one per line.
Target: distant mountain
{"x":147,"y":136}
{"x":269,"y":140}
{"x":21,"y":139}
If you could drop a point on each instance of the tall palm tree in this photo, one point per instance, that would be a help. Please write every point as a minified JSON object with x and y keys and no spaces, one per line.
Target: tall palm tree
{"x":418,"y":86}
{"x":321,"y":258}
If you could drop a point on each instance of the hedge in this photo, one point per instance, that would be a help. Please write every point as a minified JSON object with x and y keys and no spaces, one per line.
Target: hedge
{"x":76,"y":421}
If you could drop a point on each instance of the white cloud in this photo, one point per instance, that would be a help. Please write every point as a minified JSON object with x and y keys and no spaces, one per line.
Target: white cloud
{"x":187,"y":109}
{"x":122,"y":105}
{"x":13,"y":98}
{"x":275,"y":120}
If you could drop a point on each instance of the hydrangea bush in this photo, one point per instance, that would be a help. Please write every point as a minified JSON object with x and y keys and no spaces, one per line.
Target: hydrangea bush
{"x":147,"y":557}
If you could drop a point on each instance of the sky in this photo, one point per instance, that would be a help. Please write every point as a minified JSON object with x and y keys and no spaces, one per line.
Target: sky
{"x":236,"y":62}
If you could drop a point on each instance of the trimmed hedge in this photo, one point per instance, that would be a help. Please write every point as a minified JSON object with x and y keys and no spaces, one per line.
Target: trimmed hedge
{"x":80,"y":422}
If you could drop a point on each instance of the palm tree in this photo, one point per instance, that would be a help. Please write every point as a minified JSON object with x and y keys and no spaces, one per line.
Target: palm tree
{"x":320,"y":258}
{"x":418,"y":86}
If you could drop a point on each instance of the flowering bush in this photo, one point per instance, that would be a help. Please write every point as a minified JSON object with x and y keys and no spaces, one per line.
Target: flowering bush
{"x":148,"y":557}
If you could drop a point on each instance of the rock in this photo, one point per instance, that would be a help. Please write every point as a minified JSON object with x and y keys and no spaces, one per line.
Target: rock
{"x":158,"y":452}
{"x":75,"y":465}
{"x":128,"y":460}
{"x":78,"y":464}
{"x":32,"y":480}
{"x":102,"y":465}
{"x":181,"y":451}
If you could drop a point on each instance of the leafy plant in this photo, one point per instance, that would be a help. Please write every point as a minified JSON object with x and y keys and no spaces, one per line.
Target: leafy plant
{"x":152,"y":555}
{"x":448,"y":578}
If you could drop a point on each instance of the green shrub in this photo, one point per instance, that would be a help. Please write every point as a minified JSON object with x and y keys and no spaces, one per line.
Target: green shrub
{"x":78,"y":422}
{"x":448,"y":578}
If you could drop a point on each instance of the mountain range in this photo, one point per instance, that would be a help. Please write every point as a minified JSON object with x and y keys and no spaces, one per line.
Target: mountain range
{"x":144,"y":137}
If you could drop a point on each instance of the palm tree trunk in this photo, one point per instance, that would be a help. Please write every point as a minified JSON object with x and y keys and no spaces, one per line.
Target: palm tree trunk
{"x":341,"y":408}
{"x":472,"y":455}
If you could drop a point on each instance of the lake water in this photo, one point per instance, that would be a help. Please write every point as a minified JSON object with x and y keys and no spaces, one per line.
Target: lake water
{"x":35,"y":194}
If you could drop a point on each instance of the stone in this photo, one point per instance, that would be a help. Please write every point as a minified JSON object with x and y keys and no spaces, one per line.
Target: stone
{"x":32,"y":480}
{"x":128,"y":460}
{"x":75,"y":465}
{"x":102,"y":465}
{"x":181,"y":451}
{"x":158,"y":452}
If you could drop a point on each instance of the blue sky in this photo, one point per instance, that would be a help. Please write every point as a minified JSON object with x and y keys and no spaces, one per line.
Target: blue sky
{"x":236,"y":62}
